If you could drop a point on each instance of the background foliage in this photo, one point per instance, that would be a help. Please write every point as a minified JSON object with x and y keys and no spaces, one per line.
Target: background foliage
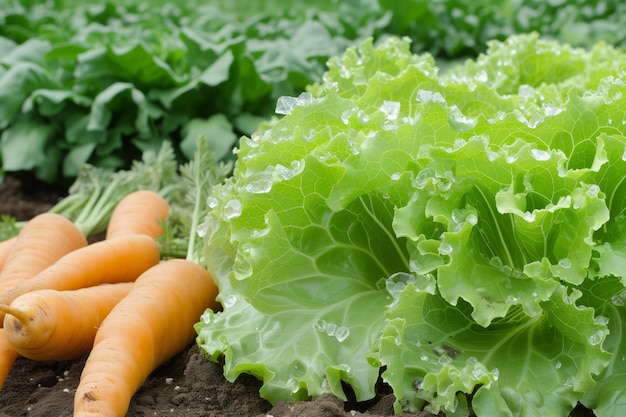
{"x":101,"y":83}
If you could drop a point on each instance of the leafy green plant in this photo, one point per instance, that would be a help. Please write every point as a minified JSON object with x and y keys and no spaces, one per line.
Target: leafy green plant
{"x":462,"y":229}
{"x":102,"y":83}
{"x":456,"y":28}
{"x":96,"y":191}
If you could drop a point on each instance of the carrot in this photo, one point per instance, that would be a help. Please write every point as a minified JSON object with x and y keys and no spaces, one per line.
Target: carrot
{"x":153,"y":323}
{"x":41,"y":242}
{"x":59,"y":325}
{"x":107,"y":261}
{"x":140,"y":212}
{"x":5,"y":248}
{"x":8,"y":355}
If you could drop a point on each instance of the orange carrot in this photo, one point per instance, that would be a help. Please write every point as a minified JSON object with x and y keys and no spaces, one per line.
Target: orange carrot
{"x":140,"y":212}
{"x":42,"y":241}
{"x":8,"y":355}
{"x":59,"y":325}
{"x":153,"y":323}
{"x":5,"y":248}
{"x":107,"y":261}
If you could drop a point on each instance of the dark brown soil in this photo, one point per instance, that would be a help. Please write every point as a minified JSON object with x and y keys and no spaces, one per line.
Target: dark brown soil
{"x":187,"y":386}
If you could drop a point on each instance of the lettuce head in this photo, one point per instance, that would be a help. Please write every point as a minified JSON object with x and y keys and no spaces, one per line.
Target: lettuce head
{"x":462,"y":230}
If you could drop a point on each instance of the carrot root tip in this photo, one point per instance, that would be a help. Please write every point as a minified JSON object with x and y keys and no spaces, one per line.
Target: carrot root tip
{"x":21,"y":316}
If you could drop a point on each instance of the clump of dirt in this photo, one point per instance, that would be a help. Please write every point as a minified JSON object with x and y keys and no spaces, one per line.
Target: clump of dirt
{"x":23,"y":197}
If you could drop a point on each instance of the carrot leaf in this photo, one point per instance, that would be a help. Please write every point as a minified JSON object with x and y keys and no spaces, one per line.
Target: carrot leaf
{"x":185,"y":227}
{"x":96,"y":191}
{"x":9,"y":227}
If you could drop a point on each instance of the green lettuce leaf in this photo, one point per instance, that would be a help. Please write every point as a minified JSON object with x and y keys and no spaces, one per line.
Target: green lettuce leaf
{"x":606,"y":296}
{"x":16,"y":84}
{"x":305,"y":318}
{"x":435,"y":354}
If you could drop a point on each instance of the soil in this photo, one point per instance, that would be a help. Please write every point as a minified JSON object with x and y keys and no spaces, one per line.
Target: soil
{"x":186,"y":386}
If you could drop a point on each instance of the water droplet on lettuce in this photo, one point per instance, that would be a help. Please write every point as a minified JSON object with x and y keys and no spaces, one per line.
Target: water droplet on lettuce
{"x":398,"y":282}
{"x":425,"y":96}
{"x":295,"y":168}
{"x":459,"y":143}
{"x":597,"y":337}
{"x":391,"y":109}
{"x":259,"y":183}
{"x":499,"y":115}
{"x":565,"y":263}
{"x":331,"y":328}
{"x":540,"y":155}
{"x":444,"y":360}
{"x":619,"y":299}
{"x":550,"y":111}
{"x":304,"y":98}
{"x":593,"y":190}
{"x":232,"y":209}
{"x":206,"y":317}
{"x":320,"y":325}
{"x":212,"y":202}
{"x":445,"y":248}
{"x":202,"y":229}
{"x":525,"y":91}
{"x":325,"y":385}
{"x":389,"y":125}
{"x":459,"y":121}
{"x":285,"y":104}
{"x":347,"y":114}
{"x":531,"y":122}
{"x":479,"y":372}
{"x":342,"y":334}
{"x":229,"y":301}
{"x":512,"y":299}
{"x":363,"y":117}
{"x":496,"y":262}
{"x":462,"y":216}
{"x":424,"y":177}
{"x":292,"y":385}
{"x":344,"y":367}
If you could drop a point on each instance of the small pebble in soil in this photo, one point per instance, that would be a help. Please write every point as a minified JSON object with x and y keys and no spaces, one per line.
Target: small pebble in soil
{"x":47,"y":379}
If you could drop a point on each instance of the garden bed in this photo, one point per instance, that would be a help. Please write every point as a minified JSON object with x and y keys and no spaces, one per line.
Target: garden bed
{"x":188,"y":385}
